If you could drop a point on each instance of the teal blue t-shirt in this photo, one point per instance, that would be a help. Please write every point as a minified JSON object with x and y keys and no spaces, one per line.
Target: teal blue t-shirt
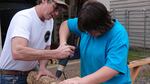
{"x":109,"y":49}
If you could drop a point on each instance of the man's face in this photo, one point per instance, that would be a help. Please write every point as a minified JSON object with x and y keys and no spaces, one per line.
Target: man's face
{"x":50,"y":11}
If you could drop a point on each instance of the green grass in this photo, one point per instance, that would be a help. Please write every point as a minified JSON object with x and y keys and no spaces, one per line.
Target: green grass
{"x":137,"y":54}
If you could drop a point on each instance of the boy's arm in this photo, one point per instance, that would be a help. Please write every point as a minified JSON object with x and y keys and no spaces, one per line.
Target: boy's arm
{"x":100,"y":76}
{"x":64,"y":33}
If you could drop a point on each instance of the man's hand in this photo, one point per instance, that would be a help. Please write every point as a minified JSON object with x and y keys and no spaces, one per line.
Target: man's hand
{"x":76,"y":80}
{"x":65,"y":51}
{"x":44,"y":72}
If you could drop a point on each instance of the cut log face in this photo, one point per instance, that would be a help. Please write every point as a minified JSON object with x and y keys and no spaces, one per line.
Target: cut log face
{"x":31,"y":79}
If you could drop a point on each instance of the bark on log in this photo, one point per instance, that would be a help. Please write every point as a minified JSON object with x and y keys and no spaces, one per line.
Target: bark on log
{"x":31,"y":79}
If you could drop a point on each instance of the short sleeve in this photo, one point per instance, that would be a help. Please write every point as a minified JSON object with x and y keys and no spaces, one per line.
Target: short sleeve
{"x":20,"y":26}
{"x":73,"y":26}
{"x":117,"y":52}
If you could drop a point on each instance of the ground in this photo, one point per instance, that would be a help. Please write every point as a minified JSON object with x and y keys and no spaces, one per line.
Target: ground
{"x":73,"y":69}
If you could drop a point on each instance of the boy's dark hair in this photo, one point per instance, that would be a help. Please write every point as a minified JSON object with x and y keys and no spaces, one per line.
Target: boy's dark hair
{"x":94,"y":16}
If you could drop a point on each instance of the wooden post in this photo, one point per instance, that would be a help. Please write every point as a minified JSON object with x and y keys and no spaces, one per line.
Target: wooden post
{"x":134,"y":73}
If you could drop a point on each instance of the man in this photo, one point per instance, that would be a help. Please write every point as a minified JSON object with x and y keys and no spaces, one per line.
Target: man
{"x":103,"y":46}
{"x":29,"y":34}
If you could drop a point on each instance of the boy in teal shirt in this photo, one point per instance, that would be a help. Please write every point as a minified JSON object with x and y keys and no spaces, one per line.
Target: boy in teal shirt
{"x":103,"y":46}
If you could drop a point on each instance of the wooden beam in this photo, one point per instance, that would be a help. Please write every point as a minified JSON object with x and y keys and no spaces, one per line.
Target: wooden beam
{"x":139,"y":62}
{"x":135,"y":67}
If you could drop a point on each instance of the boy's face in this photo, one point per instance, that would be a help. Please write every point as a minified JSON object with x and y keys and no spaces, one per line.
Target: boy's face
{"x":94,"y":33}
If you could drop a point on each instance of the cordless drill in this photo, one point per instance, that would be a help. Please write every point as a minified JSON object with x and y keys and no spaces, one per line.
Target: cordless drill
{"x":63,"y":62}
{"x":61,"y":66}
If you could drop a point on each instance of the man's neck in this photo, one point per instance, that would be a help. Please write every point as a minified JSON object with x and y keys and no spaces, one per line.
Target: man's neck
{"x":38,"y":9}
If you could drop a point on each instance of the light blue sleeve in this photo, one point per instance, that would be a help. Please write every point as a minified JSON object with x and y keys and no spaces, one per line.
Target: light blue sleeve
{"x":73,"y":26}
{"x":117,"y":52}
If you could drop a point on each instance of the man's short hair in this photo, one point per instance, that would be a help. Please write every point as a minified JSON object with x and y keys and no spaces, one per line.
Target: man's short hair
{"x":40,"y":1}
{"x":59,"y":3}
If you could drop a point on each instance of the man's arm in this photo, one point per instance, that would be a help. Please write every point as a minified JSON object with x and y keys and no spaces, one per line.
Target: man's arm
{"x":21,"y":51}
{"x":43,"y":63}
{"x":42,"y":69}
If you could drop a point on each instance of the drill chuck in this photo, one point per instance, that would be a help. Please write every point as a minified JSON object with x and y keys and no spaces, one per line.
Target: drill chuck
{"x":61,"y":65}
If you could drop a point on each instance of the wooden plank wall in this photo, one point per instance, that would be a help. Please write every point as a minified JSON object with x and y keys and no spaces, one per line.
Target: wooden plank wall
{"x":135,"y":16}
{"x":130,"y":4}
